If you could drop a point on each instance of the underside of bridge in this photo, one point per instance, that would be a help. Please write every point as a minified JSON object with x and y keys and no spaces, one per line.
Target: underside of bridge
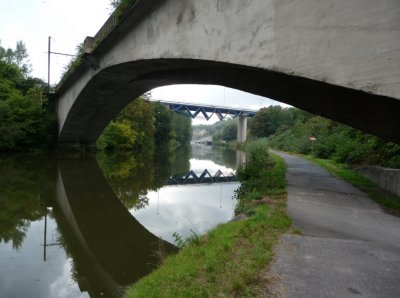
{"x":112,"y":89}
{"x":337,"y":59}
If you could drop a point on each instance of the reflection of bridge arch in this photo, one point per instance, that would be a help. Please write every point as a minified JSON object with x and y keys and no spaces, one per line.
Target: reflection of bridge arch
{"x":340,"y":61}
{"x":205,"y":177}
{"x":111,"y":249}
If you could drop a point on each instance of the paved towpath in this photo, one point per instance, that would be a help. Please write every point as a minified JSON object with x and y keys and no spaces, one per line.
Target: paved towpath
{"x":349,"y":247}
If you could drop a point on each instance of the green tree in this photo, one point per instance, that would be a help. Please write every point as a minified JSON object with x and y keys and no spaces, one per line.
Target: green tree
{"x":140,"y":114}
{"x":25,"y":125}
{"x":132,"y":129}
{"x":334,"y":140}
{"x":267,"y":121}
{"x":162,"y":123}
{"x":17,"y":57}
{"x":230,"y":131}
{"x":118,"y":135}
{"x":25,"y":121}
{"x":182,"y":127}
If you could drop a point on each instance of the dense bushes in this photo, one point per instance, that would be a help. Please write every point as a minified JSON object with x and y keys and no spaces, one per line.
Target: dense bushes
{"x":27,"y":121}
{"x":262,"y":174}
{"x":291,"y":130}
{"x":338,"y":142}
{"x":256,"y":159}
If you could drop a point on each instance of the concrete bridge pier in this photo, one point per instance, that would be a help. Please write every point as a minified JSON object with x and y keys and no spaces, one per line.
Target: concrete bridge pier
{"x":240,"y":158}
{"x":242,"y":129}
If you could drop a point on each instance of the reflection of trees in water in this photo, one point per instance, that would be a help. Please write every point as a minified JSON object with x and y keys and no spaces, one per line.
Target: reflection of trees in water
{"x":25,"y":185}
{"x":180,"y":160}
{"x":218,"y":154}
{"x":131,"y":175}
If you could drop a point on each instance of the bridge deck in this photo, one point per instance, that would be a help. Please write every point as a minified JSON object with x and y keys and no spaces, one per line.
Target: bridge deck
{"x":194,"y":109}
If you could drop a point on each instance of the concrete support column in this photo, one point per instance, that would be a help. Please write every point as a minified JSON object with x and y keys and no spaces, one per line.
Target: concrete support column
{"x":240,"y":158}
{"x":242,"y":129}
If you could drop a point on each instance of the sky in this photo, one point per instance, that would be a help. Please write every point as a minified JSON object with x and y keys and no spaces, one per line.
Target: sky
{"x":68,"y":23}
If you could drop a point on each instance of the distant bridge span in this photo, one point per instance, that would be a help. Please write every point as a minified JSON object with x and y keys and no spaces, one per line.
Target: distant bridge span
{"x":194,"y":109}
{"x":339,"y":59}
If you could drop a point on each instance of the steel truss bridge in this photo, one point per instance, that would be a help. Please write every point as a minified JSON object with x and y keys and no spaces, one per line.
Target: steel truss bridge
{"x":205,"y":177}
{"x":207,"y":111}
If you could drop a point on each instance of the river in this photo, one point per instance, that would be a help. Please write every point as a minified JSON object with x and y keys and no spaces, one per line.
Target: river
{"x":88,"y":227}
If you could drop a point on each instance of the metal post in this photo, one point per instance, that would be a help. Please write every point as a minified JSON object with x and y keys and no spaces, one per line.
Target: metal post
{"x":158,"y":202}
{"x":45,"y":236}
{"x":48,"y":62}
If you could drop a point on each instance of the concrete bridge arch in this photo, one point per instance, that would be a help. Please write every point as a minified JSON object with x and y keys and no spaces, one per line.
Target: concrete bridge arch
{"x":339,"y":59}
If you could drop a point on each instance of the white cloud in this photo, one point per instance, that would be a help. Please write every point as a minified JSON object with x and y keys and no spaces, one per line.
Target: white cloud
{"x":63,"y":287}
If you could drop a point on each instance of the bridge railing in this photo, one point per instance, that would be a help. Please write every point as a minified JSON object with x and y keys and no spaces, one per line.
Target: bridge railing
{"x":106,"y":29}
{"x":121,"y":21}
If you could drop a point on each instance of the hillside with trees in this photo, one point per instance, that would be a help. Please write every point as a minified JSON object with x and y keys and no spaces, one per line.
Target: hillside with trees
{"x":290,"y":129}
{"x":225,"y":130}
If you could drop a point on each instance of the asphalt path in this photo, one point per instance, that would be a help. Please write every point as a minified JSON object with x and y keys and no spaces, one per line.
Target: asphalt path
{"x":349,"y":246}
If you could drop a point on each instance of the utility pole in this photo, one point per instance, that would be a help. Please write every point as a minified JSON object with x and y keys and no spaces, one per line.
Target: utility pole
{"x":48,"y":62}
{"x":49,"y":52}
{"x":45,"y":244}
{"x":45,"y":236}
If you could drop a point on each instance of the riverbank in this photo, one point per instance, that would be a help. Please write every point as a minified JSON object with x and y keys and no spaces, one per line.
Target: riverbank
{"x":232,"y":259}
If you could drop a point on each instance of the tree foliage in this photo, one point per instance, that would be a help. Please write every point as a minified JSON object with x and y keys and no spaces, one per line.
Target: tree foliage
{"x":182,"y":128}
{"x":144,"y":125}
{"x":162,"y":123}
{"x":230,"y":131}
{"x":290,"y":129}
{"x":268,"y":120}
{"x":25,"y":120}
{"x":222,"y":130}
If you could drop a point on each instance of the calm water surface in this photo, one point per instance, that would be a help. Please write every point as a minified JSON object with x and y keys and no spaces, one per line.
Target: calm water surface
{"x":86,"y":227}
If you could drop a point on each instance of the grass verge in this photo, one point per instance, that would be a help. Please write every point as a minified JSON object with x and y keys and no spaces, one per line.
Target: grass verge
{"x":230,"y":260}
{"x":388,"y":201}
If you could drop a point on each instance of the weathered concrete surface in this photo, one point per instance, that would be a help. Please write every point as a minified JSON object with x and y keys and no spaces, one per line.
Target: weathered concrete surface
{"x":349,"y":246}
{"x":339,"y":59}
{"x":386,"y":179}
{"x":242,"y":129}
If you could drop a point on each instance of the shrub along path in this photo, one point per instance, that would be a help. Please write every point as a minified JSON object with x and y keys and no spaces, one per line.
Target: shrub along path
{"x":349,"y":245}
